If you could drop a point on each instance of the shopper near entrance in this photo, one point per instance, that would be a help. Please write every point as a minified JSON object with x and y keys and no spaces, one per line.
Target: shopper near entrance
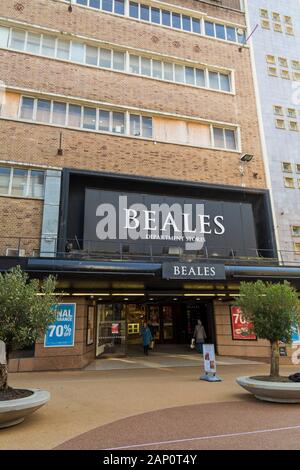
{"x":146,"y":337}
{"x":200,"y":336}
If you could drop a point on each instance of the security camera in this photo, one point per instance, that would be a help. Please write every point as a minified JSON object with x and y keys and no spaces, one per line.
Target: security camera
{"x":246,"y":157}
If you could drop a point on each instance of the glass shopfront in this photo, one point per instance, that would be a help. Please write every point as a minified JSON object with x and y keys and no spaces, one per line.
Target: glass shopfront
{"x":119,"y":324}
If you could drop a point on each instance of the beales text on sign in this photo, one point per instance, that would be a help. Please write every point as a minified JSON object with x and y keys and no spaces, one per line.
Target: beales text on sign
{"x":193,"y":271}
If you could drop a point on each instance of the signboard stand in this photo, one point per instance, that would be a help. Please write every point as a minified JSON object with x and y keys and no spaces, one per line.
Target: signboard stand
{"x":210,"y":367}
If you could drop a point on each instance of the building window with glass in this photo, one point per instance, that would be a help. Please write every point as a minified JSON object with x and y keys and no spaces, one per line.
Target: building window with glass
{"x":22,"y":182}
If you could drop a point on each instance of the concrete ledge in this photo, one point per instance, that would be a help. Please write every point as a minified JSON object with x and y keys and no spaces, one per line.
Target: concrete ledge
{"x":14,"y":411}
{"x":279,"y":392}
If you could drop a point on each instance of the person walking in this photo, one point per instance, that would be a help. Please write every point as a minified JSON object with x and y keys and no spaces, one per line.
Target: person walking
{"x":200,"y":336}
{"x":146,"y":337}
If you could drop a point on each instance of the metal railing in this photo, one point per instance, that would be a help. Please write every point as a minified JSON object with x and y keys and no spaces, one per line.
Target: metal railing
{"x":141,"y":250}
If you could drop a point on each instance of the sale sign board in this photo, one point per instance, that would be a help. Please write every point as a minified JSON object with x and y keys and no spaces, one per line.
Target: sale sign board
{"x":209,"y":358}
{"x":61,"y":333}
{"x":241,"y":328}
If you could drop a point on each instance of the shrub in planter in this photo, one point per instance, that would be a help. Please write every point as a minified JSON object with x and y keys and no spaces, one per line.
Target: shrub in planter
{"x":26,"y":310}
{"x":273,"y":309}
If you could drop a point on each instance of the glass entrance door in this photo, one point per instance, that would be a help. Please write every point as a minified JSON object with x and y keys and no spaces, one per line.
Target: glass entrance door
{"x":111,"y":329}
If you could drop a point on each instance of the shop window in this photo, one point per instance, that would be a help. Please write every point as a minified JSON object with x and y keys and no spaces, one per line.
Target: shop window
{"x":295,"y":230}
{"x":289,"y":182}
{"x":287,"y":167}
{"x":280,"y":123}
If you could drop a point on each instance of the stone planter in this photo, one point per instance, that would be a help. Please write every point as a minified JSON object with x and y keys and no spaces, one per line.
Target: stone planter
{"x":14,"y":411}
{"x":280,"y":392}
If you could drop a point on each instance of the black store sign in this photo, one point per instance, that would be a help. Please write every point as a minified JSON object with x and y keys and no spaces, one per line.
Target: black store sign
{"x":195,"y":271}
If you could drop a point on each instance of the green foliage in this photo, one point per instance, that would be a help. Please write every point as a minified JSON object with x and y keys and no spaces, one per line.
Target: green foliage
{"x":24,"y":315}
{"x":271,"y":307}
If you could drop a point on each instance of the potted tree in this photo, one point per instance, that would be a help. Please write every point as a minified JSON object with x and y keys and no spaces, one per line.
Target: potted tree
{"x":272,"y":308}
{"x":26,"y":310}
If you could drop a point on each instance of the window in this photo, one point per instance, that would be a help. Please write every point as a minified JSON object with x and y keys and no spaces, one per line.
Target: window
{"x":77,"y":52}
{"x":94,"y":4}
{"x":27,"y":108}
{"x":176,"y":20}
{"x":190,"y":75}
{"x":105,"y":58}
{"x":293,"y":125}
{"x":230,"y":34}
{"x":287,"y":167}
{"x":135,"y":125}
{"x":263,"y":13}
{"x":297,"y":248}
{"x":119,"y":7}
{"x":295,"y":230}
{"x":107,"y":5}
{"x":285,"y":74}
{"x":91,"y":55}
{"x":133,"y":10}
{"x":280,"y":123}
{"x":200,"y":78}
{"x":118,"y":123}
{"x":36,"y":184}
{"x":272,"y":71}
{"x":145,"y":12}
{"x":89,"y":118}
{"x":104,"y":122}
{"x":59,"y":113}
{"x":118,"y":60}
{"x":74,"y":115}
{"x":278,"y":110}
{"x":224,"y":138}
{"x":296,"y":76}
{"x":186,"y":23}
{"x":33,"y":43}
{"x":209,"y":29}
{"x":277,"y":27}
{"x":43,"y":110}
{"x":17,"y":40}
{"x":196,"y":26}
{"x":4,"y":35}
{"x":230,"y":139}
{"x":179,"y":73}
{"x":220,"y":31}
{"x":275,"y":16}
{"x":168,"y":71}
{"x":265,"y":24}
{"x":271,"y":59}
{"x":156,"y":68}
{"x":295,"y":64}
{"x":4,"y":180}
{"x":289,"y":182}
{"x":287,"y":20}
{"x":291,"y":112}
{"x":219,"y":140}
{"x":166,"y":18}
{"x":19,"y":182}
{"x":146,"y":66}
{"x":134,"y":64}
{"x":63,"y":49}
{"x":298,"y":167}
{"x":147,"y":127}
{"x":283,"y":62}
{"x":155,"y":15}
{"x":289,"y":30}
{"x":48,"y":45}
{"x":214,"y":80}
{"x":225,"y":82}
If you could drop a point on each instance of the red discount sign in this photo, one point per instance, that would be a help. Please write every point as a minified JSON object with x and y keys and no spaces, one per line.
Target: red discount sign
{"x":241,"y":328}
{"x":115,"y":328}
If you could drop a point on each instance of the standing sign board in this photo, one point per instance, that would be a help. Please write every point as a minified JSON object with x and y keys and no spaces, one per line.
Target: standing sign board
{"x":241,"y":328}
{"x":61,"y":333}
{"x":210,"y":366}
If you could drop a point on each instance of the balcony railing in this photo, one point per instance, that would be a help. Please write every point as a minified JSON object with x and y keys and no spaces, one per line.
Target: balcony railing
{"x":140,"y":251}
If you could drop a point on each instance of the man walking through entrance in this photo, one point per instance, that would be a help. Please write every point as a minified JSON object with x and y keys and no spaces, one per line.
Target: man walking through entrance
{"x":146,"y":337}
{"x":200,"y":336}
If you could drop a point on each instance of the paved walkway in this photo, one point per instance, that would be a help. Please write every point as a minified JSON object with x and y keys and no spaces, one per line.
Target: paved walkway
{"x":153,"y":405}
